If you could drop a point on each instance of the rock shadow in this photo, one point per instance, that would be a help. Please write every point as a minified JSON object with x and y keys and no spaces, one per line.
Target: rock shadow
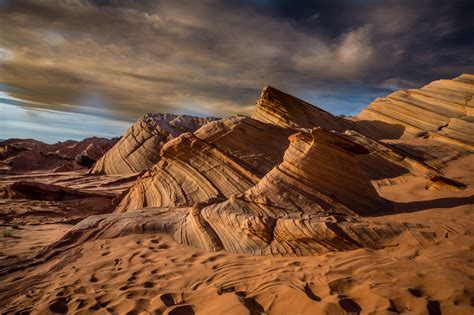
{"x":380,"y":130}
{"x":444,"y":203}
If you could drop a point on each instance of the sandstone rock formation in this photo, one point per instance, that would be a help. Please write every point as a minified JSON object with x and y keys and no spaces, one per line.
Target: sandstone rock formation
{"x":67,"y":197}
{"x":222,"y":158}
{"x":279,"y":108}
{"x":20,"y":155}
{"x":384,"y":160}
{"x":309,"y":203}
{"x":139,"y":148}
{"x":443,"y":110}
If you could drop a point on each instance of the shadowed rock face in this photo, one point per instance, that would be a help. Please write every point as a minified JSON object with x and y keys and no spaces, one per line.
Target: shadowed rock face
{"x":442,"y":110}
{"x":139,"y":148}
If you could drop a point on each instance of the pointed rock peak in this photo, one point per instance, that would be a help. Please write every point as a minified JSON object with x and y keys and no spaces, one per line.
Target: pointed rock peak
{"x":465,"y":77}
{"x":139,"y":148}
{"x":285,"y":110}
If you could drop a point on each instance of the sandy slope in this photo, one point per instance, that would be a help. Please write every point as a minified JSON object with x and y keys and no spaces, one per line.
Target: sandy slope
{"x":153,"y":274}
{"x":26,"y":239}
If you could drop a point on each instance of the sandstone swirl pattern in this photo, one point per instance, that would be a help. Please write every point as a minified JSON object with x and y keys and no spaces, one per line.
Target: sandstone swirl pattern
{"x":139,"y":148}
{"x":279,"y":108}
{"x":443,"y":110}
{"x":220,"y":159}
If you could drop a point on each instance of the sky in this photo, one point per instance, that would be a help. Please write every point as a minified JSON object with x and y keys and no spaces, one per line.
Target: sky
{"x":70,"y":69}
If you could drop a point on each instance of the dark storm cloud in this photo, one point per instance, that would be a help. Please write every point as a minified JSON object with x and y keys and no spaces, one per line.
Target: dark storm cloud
{"x":123,"y":57}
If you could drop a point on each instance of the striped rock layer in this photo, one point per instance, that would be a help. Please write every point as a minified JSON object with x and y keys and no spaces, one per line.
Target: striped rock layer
{"x":279,"y":108}
{"x":222,"y":158}
{"x":139,"y":148}
{"x":443,"y":110}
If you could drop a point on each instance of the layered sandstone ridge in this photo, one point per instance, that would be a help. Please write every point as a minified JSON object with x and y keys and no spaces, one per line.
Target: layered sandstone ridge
{"x":279,"y":108}
{"x":222,"y":158}
{"x":443,"y":110}
{"x":139,"y":148}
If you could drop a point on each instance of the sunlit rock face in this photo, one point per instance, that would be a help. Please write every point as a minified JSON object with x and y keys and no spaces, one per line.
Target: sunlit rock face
{"x":139,"y":148}
{"x":443,"y":110}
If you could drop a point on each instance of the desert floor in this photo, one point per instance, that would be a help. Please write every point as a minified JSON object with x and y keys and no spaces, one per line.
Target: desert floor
{"x":154,"y":274}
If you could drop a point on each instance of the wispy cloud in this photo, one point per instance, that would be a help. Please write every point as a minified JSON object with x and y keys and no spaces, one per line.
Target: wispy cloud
{"x":123,"y":58}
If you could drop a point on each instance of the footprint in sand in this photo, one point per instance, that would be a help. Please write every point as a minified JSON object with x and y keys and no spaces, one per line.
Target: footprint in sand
{"x":148,"y":284}
{"x":182,"y":310}
{"x":415,"y":292}
{"x":171,"y":299}
{"x":59,"y":306}
{"x":349,"y":306}
{"x":433,"y":307}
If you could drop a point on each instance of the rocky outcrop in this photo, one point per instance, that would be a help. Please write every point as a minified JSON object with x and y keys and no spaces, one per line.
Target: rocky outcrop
{"x":139,"y":148}
{"x":442,"y":110}
{"x":311,"y":202}
{"x":279,"y":108}
{"x":222,"y":158}
{"x":22,"y":155}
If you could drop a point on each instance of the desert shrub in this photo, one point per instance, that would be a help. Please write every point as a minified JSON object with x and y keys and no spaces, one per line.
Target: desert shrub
{"x":84,"y":160}
{"x":7,"y":233}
